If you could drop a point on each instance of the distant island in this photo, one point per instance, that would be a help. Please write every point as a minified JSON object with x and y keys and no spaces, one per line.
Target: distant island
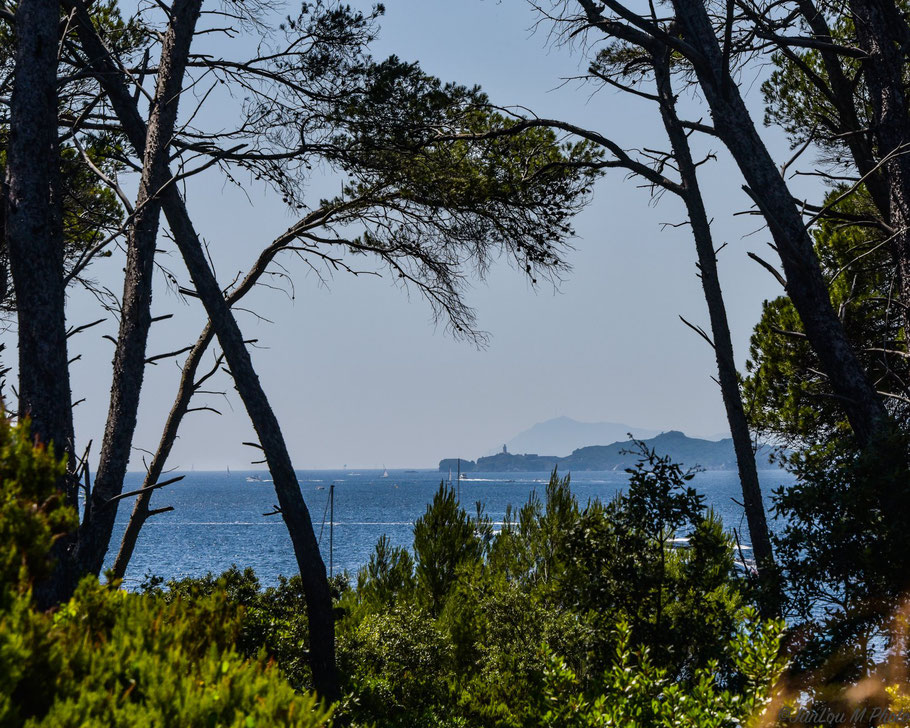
{"x":688,"y":451}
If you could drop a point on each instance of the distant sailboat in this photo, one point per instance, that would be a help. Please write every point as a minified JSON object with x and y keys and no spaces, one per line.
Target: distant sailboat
{"x":330,"y":510}
{"x":385,"y":473}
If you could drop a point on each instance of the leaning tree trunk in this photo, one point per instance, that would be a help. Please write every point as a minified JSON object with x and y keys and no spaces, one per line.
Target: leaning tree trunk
{"x":135,"y":317}
{"x":805,"y":284}
{"x":720,"y":328}
{"x":141,"y":510}
{"x":293,"y":509}
{"x":290,"y":500}
{"x":34,"y":229}
{"x":185,"y":391}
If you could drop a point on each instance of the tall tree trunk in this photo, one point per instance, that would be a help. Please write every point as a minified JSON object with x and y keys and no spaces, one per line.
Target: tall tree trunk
{"x":720,"y":328}
{"x":882,"y":34}
{"x":34,"y":233}
{"x":290,"y":500}
{"x":841,"y":93}
{"x":293,"y":509}
{"x":135,"y":313}
{"x":34,"y":229}
{"x":804,"y":281}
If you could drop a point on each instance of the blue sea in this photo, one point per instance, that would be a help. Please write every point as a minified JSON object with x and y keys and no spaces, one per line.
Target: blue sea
{"x":218,"y":516}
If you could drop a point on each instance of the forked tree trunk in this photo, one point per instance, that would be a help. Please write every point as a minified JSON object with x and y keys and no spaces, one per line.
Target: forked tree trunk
{"x":135,"y":317}
{"x":293,"y":509}
{"x":189,"y":385}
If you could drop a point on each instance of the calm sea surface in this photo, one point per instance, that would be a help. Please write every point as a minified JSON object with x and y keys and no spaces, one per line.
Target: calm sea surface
{"x":217,"y":518}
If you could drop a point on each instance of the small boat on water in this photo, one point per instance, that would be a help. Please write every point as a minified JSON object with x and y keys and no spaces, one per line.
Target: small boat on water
{"x":385,"y":473}
{"x":254,"y":479}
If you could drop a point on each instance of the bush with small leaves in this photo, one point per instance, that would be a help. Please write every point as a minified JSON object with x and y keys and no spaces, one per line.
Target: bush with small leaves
{"x":110,"y":658}
{"x":635,"y":693}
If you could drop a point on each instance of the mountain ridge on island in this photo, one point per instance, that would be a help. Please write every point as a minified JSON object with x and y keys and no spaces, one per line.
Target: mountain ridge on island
{"x":560,"y":436}
{"x":687,"y":451}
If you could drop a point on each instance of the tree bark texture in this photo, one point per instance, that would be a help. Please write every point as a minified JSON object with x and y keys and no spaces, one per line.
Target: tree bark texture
{"x":187,"y":388}
{"x":34,"y":230}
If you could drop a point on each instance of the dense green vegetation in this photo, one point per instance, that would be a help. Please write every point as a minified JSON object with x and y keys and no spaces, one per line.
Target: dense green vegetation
{"x":843,"y":545}
{"x":108,"y":657}
{"x":566,"y":615}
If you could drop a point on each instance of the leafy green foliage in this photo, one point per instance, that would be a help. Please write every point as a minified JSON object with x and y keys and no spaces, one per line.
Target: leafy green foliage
{"x":625,"y":562}
{"x":444,"y":540}
{"x":442,"y":146}
{"x":119,"y":659}
{"x":388,"y":575}
{"x":110,"y":658}
{"x":634,"y":692}
{"x":526,"y":627}
{"x":844,"y":544}
{"x":401,"y":662}
{"x":797,"y":105}
{"x":32,"y":515}
{"x":274,"y":619}
{"x":844,"y":549}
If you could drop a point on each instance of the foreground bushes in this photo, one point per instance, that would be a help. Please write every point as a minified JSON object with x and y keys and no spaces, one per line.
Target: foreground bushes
{"x":563,"y":616}
{"x":566,"y":616}
{"x":109,"y":658}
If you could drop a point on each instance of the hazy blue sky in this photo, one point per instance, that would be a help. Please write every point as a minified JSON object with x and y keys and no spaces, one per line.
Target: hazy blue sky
{"x":356,"y":370}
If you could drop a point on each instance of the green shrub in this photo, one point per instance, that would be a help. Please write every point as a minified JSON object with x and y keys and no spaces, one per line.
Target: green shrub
{"x":110,"y":658}
{"x":32,"y":515}
{"x":634,"y":693}
{"x":465,"y":633}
